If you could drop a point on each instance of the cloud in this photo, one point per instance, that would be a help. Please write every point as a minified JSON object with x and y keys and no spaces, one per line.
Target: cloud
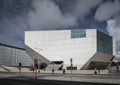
{"x":13,"y":21}
{"x":114,"y":30}
{"x":84,"y":6}
{"x":12,"y":31}
{"x":47,"y":15}
{"x":107,"y":10}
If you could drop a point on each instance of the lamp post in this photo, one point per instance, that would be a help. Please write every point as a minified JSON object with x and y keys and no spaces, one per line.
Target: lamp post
{"x":35,"y":65}
{"x":71,"y":66}
{"x":38,"y":59}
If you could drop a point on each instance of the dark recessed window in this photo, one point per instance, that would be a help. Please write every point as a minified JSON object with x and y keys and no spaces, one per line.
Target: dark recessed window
{"x":78,"y":33}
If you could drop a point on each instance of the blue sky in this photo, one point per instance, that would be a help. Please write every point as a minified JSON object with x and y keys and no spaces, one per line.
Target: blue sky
{"x":17,"y":16}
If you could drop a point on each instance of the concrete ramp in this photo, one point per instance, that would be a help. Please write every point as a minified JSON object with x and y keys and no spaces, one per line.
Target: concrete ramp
{"x":4,"y":68}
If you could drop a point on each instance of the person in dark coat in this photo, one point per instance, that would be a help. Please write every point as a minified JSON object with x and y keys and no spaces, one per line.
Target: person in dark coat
{"x":63,"y":71}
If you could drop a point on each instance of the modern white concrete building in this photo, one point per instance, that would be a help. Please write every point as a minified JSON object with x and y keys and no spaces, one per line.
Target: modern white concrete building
{"x":88,"y":48}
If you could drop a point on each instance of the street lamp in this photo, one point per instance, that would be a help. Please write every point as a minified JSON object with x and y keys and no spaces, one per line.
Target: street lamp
{"x":71,"y":66}
{"x":38,"y":59}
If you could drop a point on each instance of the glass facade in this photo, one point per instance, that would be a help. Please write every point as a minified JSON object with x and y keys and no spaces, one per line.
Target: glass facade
{"x":78,"y":33}
{"x":11,"y":56}
{"x":104,"y":43}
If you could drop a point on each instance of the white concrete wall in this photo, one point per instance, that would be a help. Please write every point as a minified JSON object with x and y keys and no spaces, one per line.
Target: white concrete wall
{"x":57,"y":45}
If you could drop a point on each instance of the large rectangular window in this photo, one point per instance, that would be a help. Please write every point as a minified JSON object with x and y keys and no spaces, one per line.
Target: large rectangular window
{"x":104,"y":43}
{"x":78,"y":33}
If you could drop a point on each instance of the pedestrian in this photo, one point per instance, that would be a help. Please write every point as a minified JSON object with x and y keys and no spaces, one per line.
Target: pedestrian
{"x":52,"y":71}
{"x":99,"y":71}
{"x":117,"y":69}
{"x":31,"y":67}
{"x":33,"y":70}
{"x":95,"y":71}
{"x":63,"y":71}
{"x":44,"y":69}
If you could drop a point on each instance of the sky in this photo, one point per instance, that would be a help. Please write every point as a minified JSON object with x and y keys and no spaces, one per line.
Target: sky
{"x":18,"y":16}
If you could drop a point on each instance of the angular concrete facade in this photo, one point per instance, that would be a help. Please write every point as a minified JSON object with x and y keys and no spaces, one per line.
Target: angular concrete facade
{"x":84,"y":46}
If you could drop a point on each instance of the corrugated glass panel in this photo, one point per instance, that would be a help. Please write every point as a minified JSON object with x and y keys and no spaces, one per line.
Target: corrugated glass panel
{"x":104,"y":43}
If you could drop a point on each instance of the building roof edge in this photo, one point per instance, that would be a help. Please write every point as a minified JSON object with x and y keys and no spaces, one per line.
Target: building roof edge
{"x":11,"y":46}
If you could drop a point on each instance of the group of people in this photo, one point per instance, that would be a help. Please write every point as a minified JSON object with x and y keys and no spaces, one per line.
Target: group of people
{"x":96,"y":71}
{"x":32,"y":69}
{"x":53,"y":71}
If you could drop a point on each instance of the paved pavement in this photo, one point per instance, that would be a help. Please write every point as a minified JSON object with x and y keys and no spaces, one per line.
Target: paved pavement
{"x":7,"y":81}
{"x":86,"y":78}
{"x":101,"y":79}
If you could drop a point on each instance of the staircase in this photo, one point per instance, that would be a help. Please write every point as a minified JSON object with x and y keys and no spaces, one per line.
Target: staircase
{"x":53,"y":66}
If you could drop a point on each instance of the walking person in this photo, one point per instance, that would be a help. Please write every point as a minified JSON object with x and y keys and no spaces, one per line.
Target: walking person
{"x":95,"y":71}
{"x":52,"y":71}
{"x":63,"y":71}
{"x":99,"y":71}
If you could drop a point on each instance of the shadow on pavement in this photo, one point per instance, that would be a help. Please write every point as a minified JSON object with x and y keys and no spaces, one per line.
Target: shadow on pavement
{"x":32,"y":81}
